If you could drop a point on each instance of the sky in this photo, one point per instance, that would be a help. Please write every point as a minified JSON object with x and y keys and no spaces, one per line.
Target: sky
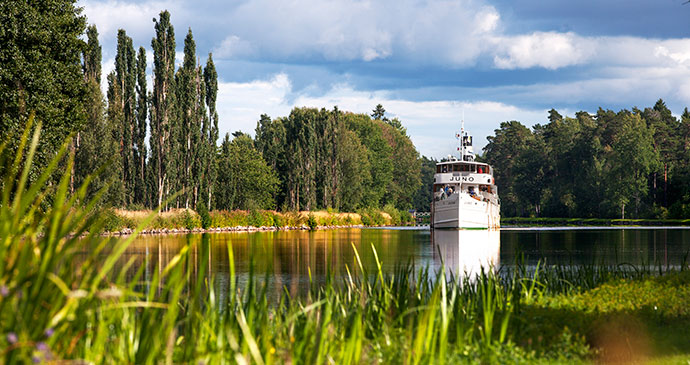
{"x":429,"y":63}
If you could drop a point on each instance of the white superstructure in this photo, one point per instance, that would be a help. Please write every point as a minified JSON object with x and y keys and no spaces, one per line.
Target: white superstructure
{"x":465,"y":193}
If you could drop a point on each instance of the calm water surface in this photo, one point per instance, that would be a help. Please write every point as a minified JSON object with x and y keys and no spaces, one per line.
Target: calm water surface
{"x":288,"y":259}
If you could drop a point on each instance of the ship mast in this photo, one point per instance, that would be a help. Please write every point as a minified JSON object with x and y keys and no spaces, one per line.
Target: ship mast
{"x":462,"y":137}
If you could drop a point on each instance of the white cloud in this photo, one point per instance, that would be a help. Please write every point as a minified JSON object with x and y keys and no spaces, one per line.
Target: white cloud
{"x":549,"y":50}
{"x":342,"y":30}
{"x":234,"y":47}
{"x":135,"y":18}
{"x":239,"y":105}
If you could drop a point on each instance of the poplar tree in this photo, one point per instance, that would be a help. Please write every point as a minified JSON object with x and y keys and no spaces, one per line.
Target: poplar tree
{"x":211,"y":137}
{"x":122,"y":112}
{"x":141,"y":193}
{"x":192,"y":111}
{"x":94,"y":144}
{"x":163,"y":99}
{"x":115,"y":120}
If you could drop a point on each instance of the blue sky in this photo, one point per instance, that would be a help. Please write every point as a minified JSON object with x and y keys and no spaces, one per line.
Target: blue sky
{"x":427,"y":62}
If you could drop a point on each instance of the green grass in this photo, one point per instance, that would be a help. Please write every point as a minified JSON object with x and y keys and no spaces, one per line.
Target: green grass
{"x":61,"y":300}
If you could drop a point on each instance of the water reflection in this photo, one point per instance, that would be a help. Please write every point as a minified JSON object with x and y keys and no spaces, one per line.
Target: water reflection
{"x":289,"y":259}
{"x":467,"y":252}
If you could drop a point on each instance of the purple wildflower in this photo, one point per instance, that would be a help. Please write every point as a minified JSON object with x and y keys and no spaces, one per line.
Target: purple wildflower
{"x":41,"y":346}
{"x":4,"y":290}
{"x":35,"y":359}
{"x":49,"y":332}
{"x":12,"y":338}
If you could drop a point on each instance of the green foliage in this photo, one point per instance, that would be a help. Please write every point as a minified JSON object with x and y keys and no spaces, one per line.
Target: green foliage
{"x":204,"y":216}
{"x":41,"y":73}
{"x":255,"y":218}
{"x":224,"y":218}
{"x":393,"y":213}
{"x":333,"y":159}
{"x":188,"y":219}
{"x":372,"y":217}
{"x":601,"y":165}
{"x":244,"y":178}
{"x":423,"y":196}
{"x":111,"y":221}
{"x":311,"y":222}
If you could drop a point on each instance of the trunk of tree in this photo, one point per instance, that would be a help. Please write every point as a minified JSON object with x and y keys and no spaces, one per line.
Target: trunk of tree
{"x":665,"y":185}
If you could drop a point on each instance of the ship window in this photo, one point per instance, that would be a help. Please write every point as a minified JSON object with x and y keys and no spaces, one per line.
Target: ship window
{"x":444,"y":168}
{"x":456,"y":167}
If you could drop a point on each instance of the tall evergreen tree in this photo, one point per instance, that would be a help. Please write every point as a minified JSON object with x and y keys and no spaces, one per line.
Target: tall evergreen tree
{"x":211,"y":130}
{"x":115,"y":121}
{"x":379,"y":112}
{"x":94,"y":143}
{"x":141,"y":193}
{"x":122,"y":112}
{"x":163,"y":119}
{"x":191,"y":99}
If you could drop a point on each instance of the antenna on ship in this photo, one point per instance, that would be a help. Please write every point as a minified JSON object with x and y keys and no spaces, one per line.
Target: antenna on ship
{"x":462,"y":136}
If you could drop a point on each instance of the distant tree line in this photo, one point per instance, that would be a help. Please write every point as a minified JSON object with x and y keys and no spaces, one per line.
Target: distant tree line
{"x":629,"y":164}
{"x":310,"y":159}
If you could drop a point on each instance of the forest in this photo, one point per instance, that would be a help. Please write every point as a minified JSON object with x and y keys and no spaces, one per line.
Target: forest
{"x":626,"y":164}
{"x":310,"y":159}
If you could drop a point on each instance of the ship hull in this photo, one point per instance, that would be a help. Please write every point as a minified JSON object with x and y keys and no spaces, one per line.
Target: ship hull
{"x":463,"y":211}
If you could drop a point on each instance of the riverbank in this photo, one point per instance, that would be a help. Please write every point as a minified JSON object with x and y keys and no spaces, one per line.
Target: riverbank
{"x":120,"y":221}
{"x":601,"y":222}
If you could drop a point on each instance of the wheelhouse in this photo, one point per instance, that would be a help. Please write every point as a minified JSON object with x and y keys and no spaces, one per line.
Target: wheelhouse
{"x":463,"y":166}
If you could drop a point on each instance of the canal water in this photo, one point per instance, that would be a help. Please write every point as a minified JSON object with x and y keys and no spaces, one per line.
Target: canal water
{"x":290,"y":259}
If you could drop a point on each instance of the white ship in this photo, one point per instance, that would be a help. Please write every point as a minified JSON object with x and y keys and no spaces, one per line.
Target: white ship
{"x":465,"y":192}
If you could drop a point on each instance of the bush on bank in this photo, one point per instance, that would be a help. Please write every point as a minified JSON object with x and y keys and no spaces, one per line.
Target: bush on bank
{"x":180,"y":219}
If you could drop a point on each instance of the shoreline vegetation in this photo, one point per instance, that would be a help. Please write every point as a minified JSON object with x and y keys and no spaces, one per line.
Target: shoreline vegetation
{"x":124,"y":222}
{"x":175,"y":221}
{"x":591,"y":222}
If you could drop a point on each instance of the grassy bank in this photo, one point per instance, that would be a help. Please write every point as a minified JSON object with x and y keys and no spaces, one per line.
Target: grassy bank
{"x":187,"y":219}
{"x":546,"y":222}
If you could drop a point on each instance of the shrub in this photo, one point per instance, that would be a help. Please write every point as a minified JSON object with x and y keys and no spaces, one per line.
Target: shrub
{"x":189,"y":220}
{"x":204,"y":215}
{"x":278,"y":221}
{"x":111,"y":221}
{"x":394,"y":213}
{"x":255,"y":219}
{"x":311,"y":222}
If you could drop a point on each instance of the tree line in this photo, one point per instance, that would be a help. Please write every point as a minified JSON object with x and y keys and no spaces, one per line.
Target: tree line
{"x":626,"y":164}
{"x":310,"y":159}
